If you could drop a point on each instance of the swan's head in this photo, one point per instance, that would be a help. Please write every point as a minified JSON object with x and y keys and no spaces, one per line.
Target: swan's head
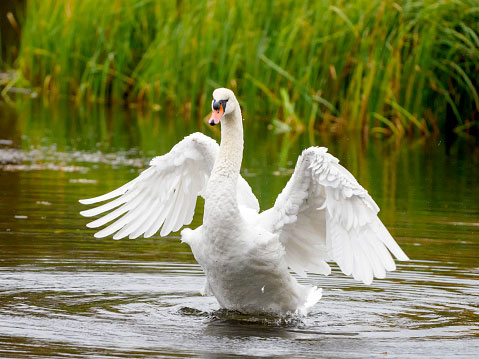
{"x":224,"y":103}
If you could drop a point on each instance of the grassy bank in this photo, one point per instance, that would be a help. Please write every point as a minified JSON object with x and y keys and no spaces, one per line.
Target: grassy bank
{"x":380,"y":66}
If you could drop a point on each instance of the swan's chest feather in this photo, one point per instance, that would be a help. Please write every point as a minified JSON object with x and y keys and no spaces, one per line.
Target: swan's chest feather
{"x":221,"y":217}
{"x":248,"y":273}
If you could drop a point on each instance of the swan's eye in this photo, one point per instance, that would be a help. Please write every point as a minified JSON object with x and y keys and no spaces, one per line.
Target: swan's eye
{"x":216,"y":104}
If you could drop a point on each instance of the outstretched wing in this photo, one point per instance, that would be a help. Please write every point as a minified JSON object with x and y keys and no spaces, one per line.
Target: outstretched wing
{"x":324,"y":214}
{"x":165,"y":194}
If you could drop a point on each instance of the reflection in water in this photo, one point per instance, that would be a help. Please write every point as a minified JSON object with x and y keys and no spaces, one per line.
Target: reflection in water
{"x":64,"y":293}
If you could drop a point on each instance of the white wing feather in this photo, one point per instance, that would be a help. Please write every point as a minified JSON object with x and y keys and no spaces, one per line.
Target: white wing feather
{"x":324,"y":214}
{"x":165,"y":194}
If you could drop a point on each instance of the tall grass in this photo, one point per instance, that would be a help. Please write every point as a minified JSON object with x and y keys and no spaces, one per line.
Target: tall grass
{"x":380,"y":66}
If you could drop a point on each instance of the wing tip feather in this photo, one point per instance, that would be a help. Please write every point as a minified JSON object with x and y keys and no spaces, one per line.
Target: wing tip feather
{"x":99,"y":235}
{"x":86,"y":213}
{"x":403,"y":257}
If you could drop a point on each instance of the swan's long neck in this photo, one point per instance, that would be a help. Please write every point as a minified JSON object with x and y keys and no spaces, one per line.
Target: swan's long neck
{"x":230,"y":156}
{"x":221,"y":204}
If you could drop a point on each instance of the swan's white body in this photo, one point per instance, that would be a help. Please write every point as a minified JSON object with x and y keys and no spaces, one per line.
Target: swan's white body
{"x":322,"y":214}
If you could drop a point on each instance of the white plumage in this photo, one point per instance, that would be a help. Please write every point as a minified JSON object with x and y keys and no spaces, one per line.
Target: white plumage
{"x":322,"y":215}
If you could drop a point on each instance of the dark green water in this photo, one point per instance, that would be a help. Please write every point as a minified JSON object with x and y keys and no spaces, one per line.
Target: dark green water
{"x":65,"y":293}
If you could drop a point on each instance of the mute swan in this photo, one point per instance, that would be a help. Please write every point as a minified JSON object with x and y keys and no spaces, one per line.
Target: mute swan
{"x":322,"y":215}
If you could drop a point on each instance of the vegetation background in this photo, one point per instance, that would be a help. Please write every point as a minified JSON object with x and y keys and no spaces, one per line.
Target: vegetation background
{"x":385,"y":67}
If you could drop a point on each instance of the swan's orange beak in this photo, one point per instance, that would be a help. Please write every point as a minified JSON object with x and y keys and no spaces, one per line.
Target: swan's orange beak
{"x":216,"y":115}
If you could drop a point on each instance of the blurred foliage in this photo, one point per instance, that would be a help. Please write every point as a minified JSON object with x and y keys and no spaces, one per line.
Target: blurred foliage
{"x":385,"y":67}
{"x":11,"y":16}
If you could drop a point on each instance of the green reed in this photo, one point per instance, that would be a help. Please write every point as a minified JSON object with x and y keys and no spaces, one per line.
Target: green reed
{"x":396,"y":68}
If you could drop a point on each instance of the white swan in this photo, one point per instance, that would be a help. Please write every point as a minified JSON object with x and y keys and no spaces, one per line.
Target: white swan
{"x":322,"y":215}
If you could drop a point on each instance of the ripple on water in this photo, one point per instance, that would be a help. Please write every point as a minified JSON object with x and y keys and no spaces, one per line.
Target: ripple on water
{"x":129,"y":309}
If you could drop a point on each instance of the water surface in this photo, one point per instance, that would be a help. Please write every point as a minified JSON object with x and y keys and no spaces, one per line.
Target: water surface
{"x":65,"y":293}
